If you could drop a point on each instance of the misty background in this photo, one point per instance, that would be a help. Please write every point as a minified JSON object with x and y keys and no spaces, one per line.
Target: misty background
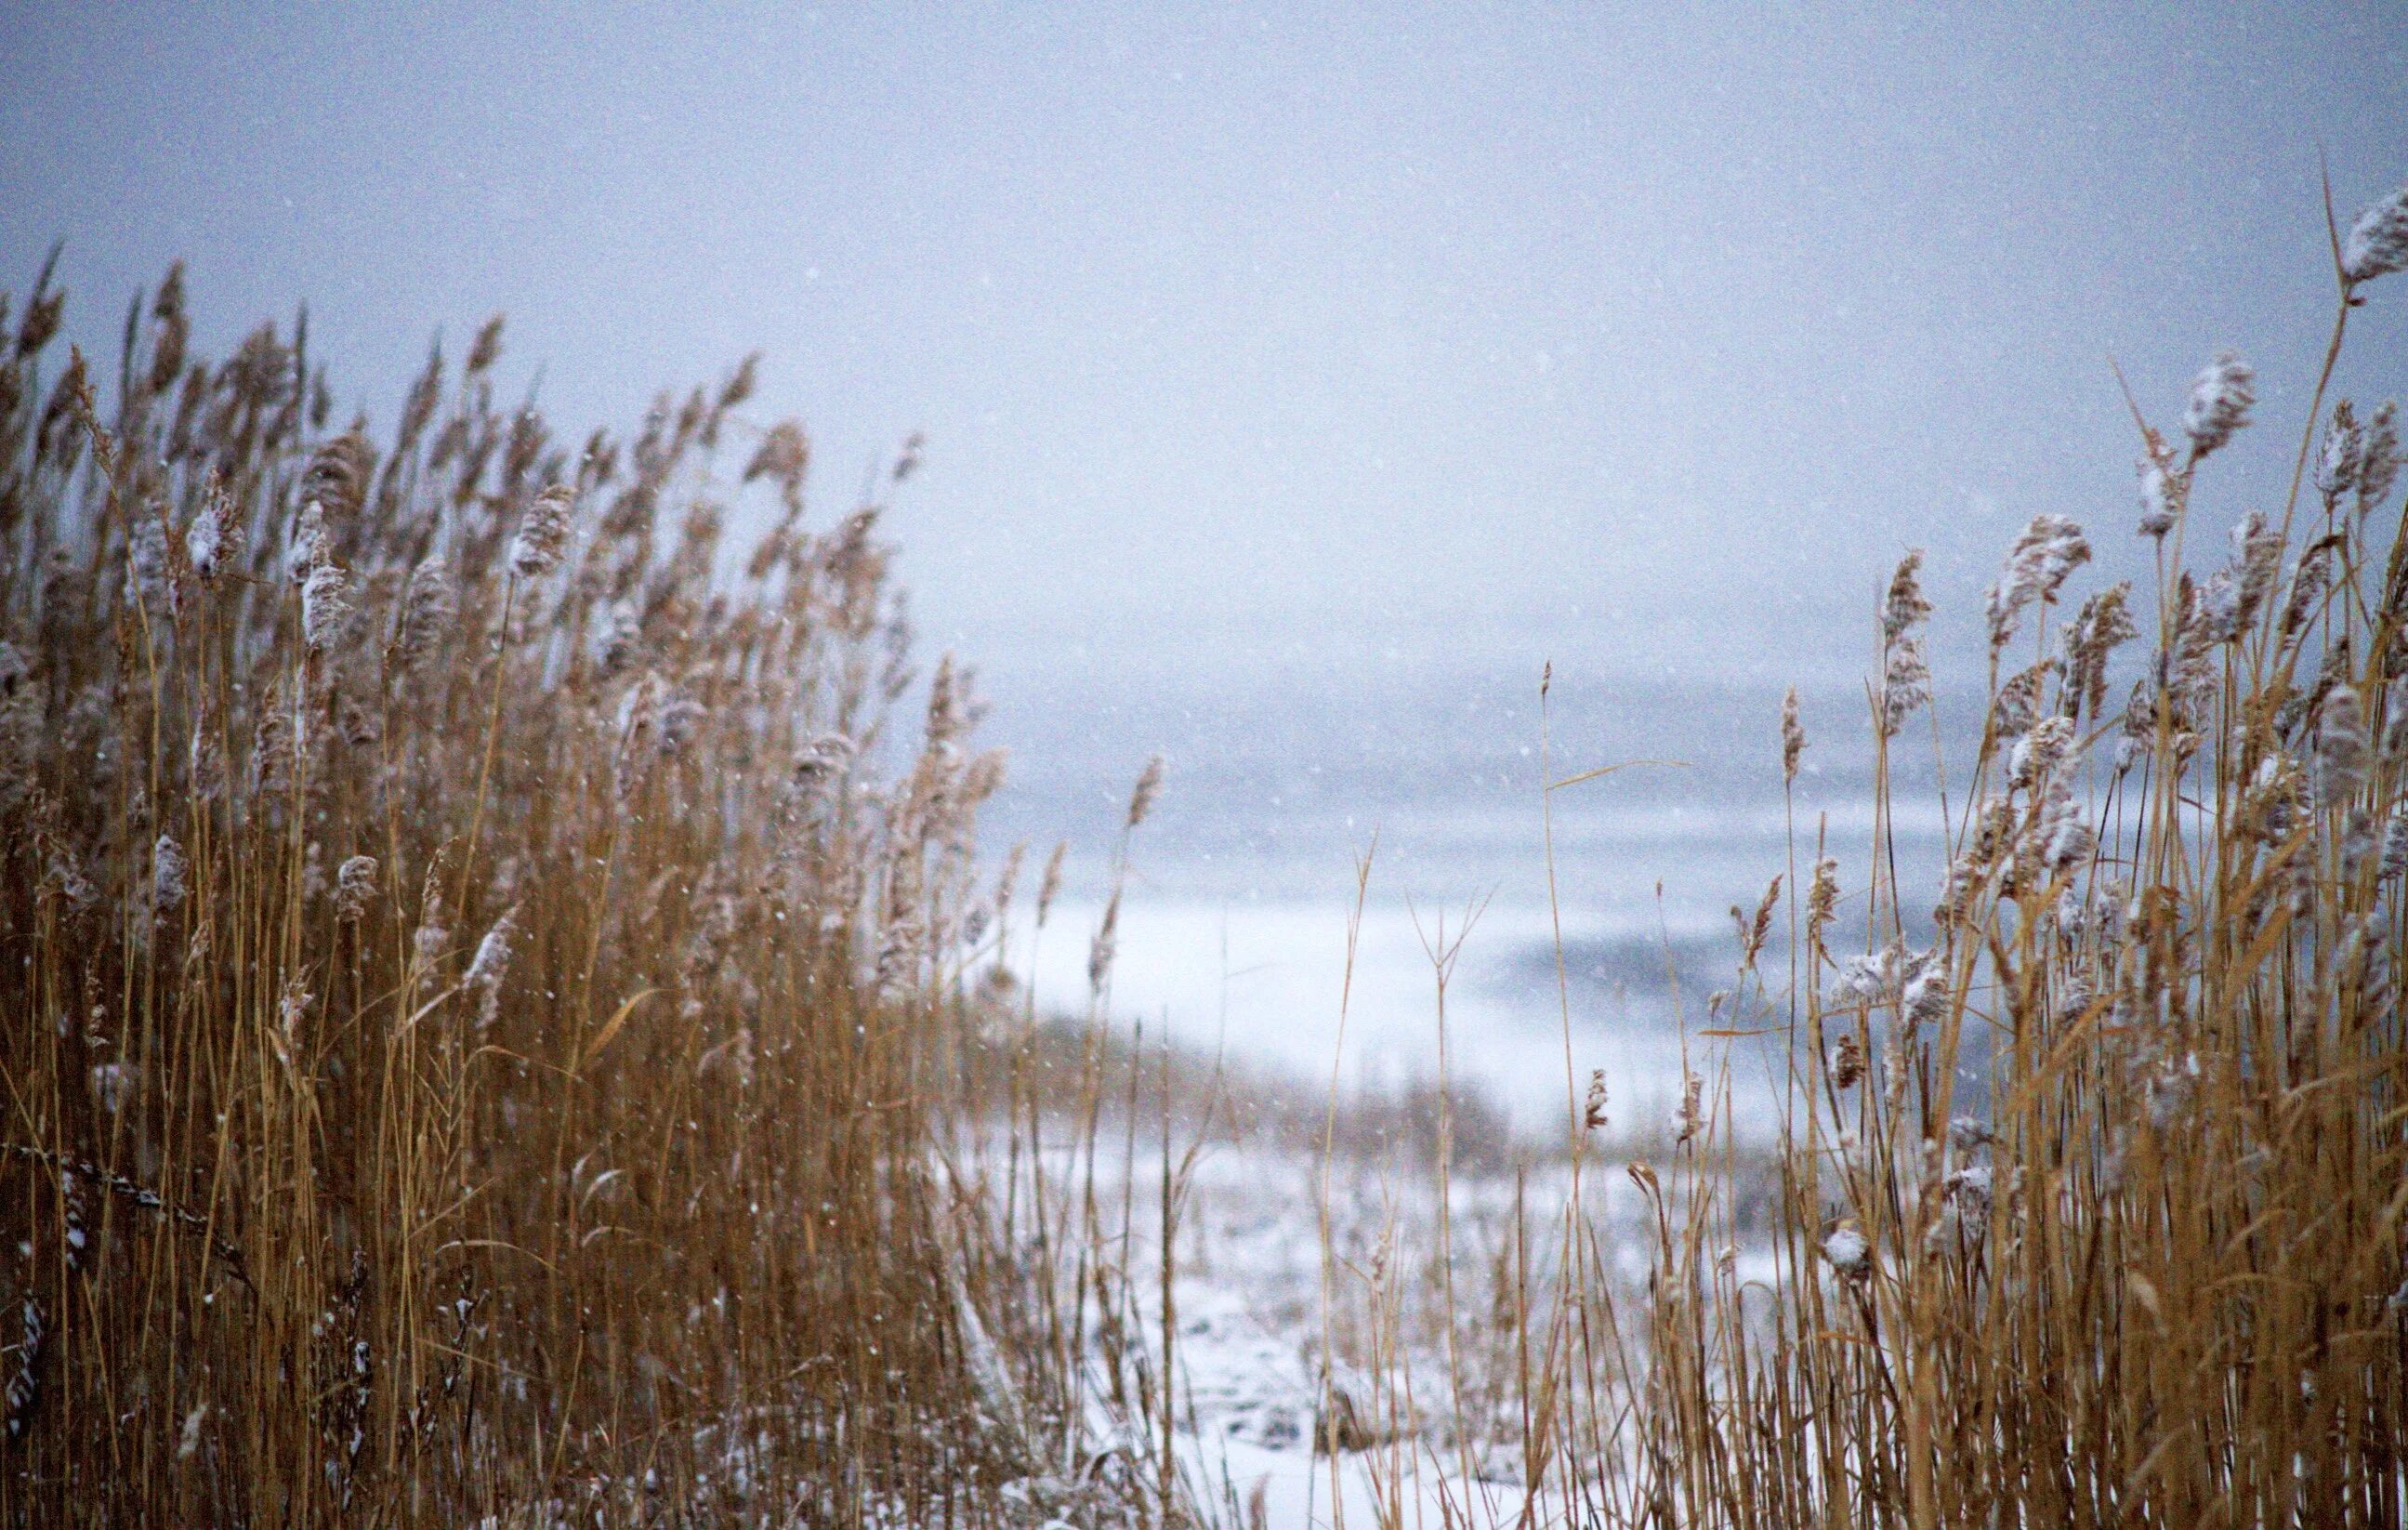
{"x":1298,"y":382}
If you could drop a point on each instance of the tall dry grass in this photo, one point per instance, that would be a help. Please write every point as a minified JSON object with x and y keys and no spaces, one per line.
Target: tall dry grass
{"x":499,"y":1027}
{"x":483,"y":959}
{"x":2088,"y":1205}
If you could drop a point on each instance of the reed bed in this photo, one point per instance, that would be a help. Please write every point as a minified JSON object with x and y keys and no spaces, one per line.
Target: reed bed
{"x":484,"y":966}
{"x":2087,"y":1206}
{"x":504,"y":1023}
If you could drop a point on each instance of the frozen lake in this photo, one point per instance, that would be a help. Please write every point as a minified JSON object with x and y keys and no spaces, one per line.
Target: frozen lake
{"x":1242,"y":888}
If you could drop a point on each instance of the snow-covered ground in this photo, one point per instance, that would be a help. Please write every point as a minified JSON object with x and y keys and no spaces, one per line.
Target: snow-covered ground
{"x":1249,"y":1349}
{"x":1252,"y":1299}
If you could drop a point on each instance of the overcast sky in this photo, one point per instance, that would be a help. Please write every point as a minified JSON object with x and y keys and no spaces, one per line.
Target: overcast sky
{"x":1287,"y":339}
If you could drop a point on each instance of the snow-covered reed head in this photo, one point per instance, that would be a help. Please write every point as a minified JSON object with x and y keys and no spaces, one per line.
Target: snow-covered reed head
{"x":429,"y":605}
{"x":2377,"y":243}
{"x":2047,"y":551}
{"x":2220,"y":401}
{"x":543,"y":533}
{"x":355,"y":884}
{"x":1904,"y":606}
{"x":325,"y":604}
{"x":214,"y":542}
{"x":1850,"y":1256}
{"x":170,"y":871}
{"x":1905,"y":685}
{"x":2161,"y":499}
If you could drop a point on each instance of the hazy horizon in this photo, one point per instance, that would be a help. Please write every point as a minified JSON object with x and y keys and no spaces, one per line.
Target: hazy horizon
{"x":1263,"y":350}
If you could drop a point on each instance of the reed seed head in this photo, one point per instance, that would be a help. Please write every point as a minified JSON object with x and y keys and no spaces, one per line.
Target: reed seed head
{"x":1849,"y":1255}
{"x":2378,"y":458}
{"x":325,"y":604}
{"x":25,"y":1376}
{"x":2342,"y":745}
{"x":2161,"y":499}
{"x":1904,"y":605}
{"x":1049,"y":884}
{"x":1793,"y":736}
{"x":543,"y":533}
{"x":1689,"y":1122}
{"x":1148,"y":784}
{"x":1753,"y":931}
{"x":170,"y":869}
{"x":214,"y":539}
{"x":428,"y":608}
{"x":2377,"y":243}
{"x":2220,"y":401}
{"x":1906,"y":685}
{"x":1823,"y":893}
{"x":2043,"y":558}
{"x":2338,"y":453}
{"x":1105,"y":946}
{"x":308,"y":545}
{"x":490,"y":967}
{"x":1847,"y":1061}
{"x":356,"y":886}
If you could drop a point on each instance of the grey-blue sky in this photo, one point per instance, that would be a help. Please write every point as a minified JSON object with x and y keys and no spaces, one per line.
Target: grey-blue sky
{"x":1275,"y":336}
